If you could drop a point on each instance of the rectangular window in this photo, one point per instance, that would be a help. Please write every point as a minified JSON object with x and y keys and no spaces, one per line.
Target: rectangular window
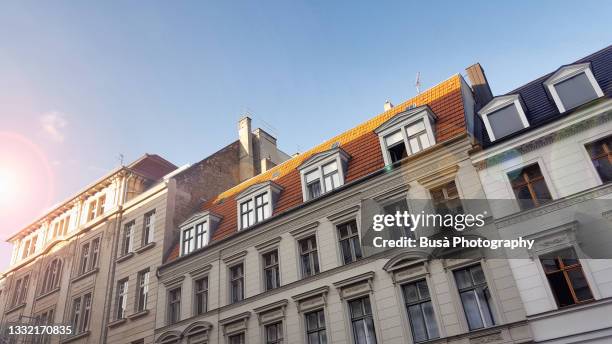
{"x":350,"y":246}
{"x":475,"y":297}
{"x":270,"y":270}
{"x":418,"y":139}
{"x":309,"y":259}
{"x":95,"y":252}
{"x":420,"y":311}
{"x":247,"y":214}
{"x":529,"y":187}
{"x":66,"y":225}
{"x":362,"y":321}
{"x":237,"y":283}
{"x":142,"y":294}
{"x":262,"y":207}
{"x":148,"y":229}
{"x":274,"y":333}
{"x":575,"y":91}
{"x":126,"y":238}
{"x":201,"y":296}
{"x":55,"y":230}
{"x":174,"y":305}
{"x":84,"y":264}
{"x":315,"y":327}
{"x":236,"y":338}
{"x":399,"y":206}
{"x":505,"y":121}
{"x":20,"y":291}
{"x":600,"y":152}
{"x":331,"y":176}
{"x":91,"y":213}
{"x":81,"y":311}
{"x":26,"y":249}
{"x":101,"y":204}
{"x":121,"y":300}
{"x":395,"y":146}
{"x":566,"y":278}
{"x":313,"y":184}
{"x":188,"y":241}
{"x":201,"y":234}
{"x":45,"y":318}
{"x":446,"y":199}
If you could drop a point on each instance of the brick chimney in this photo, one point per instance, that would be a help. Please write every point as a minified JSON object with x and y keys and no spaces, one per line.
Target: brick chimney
{"x":480,"y":85}
{"x":246,"y":159}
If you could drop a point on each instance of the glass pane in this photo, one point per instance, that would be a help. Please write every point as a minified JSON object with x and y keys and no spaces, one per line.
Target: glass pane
{"x":424,"y":141}
{"x":306,"y":269}
{"x":371,"y":336}
{"x":322,"y":337}
{"x":550,"y":264}
{"x":575,"y":91}
{"x":423,"y":290}
{"x":356,"y":247}
{"x":414,"y":145}
{"x":417,"y":323}
{"x":312,"y":176}
{"x":360,"y":332}
{"x":463,"y":279}
{"x":329,"y":168}
{"x":415,"y":128}
{"x":397,"y":152}
{"x":541,"y":191}
{"x":505,"y":121}
{"x":328,"y":183}
{"x":477,"y":274}
{"x":393,"y":138}
{"x":313,"y":338}
{"x":604,"y":169}
{"x":312,"y":321}
{"x":580,"y":284}
{"x":430,"y":320}
{"x":484,"y":301}
{"x":560,"y":289}
{"x":356,"y":309}
{"x":410,"y":293}
{"x":472,"y":313}
{"x":321,"y":319}
{"x":315,"y":259}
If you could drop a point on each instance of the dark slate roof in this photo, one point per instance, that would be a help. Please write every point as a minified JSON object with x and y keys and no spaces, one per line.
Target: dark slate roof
{"x":539,"y":107}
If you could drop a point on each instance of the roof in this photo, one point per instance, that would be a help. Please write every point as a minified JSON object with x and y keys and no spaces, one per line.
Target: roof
{"x":539,"y":106}
{"x":361,"y":143}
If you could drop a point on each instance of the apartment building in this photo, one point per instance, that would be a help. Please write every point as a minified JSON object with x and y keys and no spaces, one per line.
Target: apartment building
{"x":545,"y":166}
{"x":104,"y":244}
{"x":284,"y":257}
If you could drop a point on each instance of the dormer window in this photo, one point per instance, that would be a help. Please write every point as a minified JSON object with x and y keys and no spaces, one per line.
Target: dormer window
{"x":323,"y":172}
{"x":572,"y":86}
{"x":197,"y":231}
{"x":503,"y":116}
{"x":256,"y":203}
{"x":407,"y":133}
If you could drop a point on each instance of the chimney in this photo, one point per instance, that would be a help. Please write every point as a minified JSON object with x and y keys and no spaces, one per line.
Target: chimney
{"x":388,"y":106}
{"x":246,"y":159}
{"x":480,"y":85}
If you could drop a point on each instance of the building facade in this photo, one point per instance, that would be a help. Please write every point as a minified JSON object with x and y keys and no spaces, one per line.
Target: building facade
{"x":550,"y":155}
{"x":282,"y":257}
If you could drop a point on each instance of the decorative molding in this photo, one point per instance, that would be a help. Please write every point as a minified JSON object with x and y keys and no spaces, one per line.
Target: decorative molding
{"x":173,"y":281}
{"x":311,"y":293}
{"x":439,"y":177}
{"x":234,"y":257}
{"x":138,"y":314}
{"x":299,"y":232}
{"x":141,"y":249}
{"x":235,"y":324}
{"x":318,"y":157}
{"x":268,"y":244}
{"x":50,"y":292}
{"x":487,"y":338}
{"x":200,"y":271}
{"x":117,"y":322}
{"x":271,"y":306}
{"x":344,"y":214}
{"x":272,"y":312}
{"x":125,"y":257}
{"x":356,"y":285}
{"x":84,"y":275}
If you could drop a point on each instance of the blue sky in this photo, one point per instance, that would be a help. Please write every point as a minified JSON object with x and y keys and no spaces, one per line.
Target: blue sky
{"x":85,"y":83}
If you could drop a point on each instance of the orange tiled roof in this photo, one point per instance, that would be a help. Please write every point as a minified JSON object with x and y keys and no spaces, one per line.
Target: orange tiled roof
{"x":361,"y":143}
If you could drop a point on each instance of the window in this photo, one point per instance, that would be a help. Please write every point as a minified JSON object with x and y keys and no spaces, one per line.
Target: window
{"x":475,"y":297}
{"x":236,"y":283}
{"x":91,"y":214}
{"x":270,"y":270}
{"x":566,"y":278}
{"x":101,"y":204}
{"x":323,"y":172}
{"x":350,"y":246}
{"x":126,"y":238}
{"x":274,"y":333}
{"x":96,"y":208}
{"x":51,"y":276}
{"x":201,"y":295}
{"x":174,"y":305}
{"x":399,"y":206}
{"x":446,"y":199}
{"x":600,"y":152}
{"x":236,"y":338}
{"x":45,"y":318}
{"x":121,"y":301}
{"x":250,"y":216}
{"x":362,"y":322}
{"x":315,"y":327}
{"x":503,"y":116}
{"x":309,"y":259}
{"x":142,"y":294}
{"x":20,"y":291}
{"x":313,"y":184}
{"x":572,"y":86}
{"x":201,"y":235}
{"x":331,"y":180}
{"x":89,"y":256}
{"x":406,"y":134}
{"x":148,"y":229}
{"x":188,"y":241}
{"x":81,"y":311}
{"x":29,"y":247}
{"x":66,"y":225}
{"x":423,"y":323}
{"x":529,"y":187}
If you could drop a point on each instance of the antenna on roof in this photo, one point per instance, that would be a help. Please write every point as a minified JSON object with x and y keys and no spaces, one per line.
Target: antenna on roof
{"x":120,"y":158}
{"x":417,"y":82}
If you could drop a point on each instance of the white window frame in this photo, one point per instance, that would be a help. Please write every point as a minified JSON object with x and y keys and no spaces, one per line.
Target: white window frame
{"x":148,"y":230}
{"x":568,"y":72}
{"x":250,"y":194}
{"x":499,"y":103}
{"x":205,"y":218}
{"x":121,"y":299}
{"x":316,"y":164}
{"x":401,"y":122}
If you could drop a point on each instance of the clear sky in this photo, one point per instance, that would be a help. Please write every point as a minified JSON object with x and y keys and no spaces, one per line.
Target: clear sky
{"x":81,"y":84}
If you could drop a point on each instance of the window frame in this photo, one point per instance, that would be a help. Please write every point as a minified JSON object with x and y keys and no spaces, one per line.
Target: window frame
{"x":206,"y":220}
{"x":127,"y":238}
{"x":350,"y":238}
{"x":121,"y":298}
{"x":200,"y":293}
{"x":148,"y":228}
{"x":90,"y":261}
{"x":499,"y":103}
{"x":545,"y":177}
{"x":279,"y":332}
{"x":81,"y":325}
{"x":20,"y":288}
{"x":568,"y":72}
{"x":312,"y":253}
{"x":491,"y":305}
{"x":564,"y":271}
{"x":250,"y":195}
{"x":233,"y":280}
{"x":400,"y":123}
{"x":318,"y":330}
{"x":419,"y":302}
{"x":586,"y":144}
{"x":364,"y":317}
{"x":51,"y":277}
{"x":171,"y":303}
{"x":274,"y":267}
{"x":316,"y":164}
{"x":143,"y":278}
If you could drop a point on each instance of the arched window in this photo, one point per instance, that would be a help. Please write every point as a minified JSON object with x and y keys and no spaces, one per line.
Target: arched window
{"x":51,"y":276}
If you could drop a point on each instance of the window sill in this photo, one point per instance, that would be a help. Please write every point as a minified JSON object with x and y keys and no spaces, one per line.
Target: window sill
{"x":14,"y":308}
{"x":53,"y":291}
{"x":85,"y":274}
{"x":117,"y":322}
{"x":124,"y":257}
{"x":145,"y":247}
{"x":75,"y":337}
{"x":138,"y":314}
